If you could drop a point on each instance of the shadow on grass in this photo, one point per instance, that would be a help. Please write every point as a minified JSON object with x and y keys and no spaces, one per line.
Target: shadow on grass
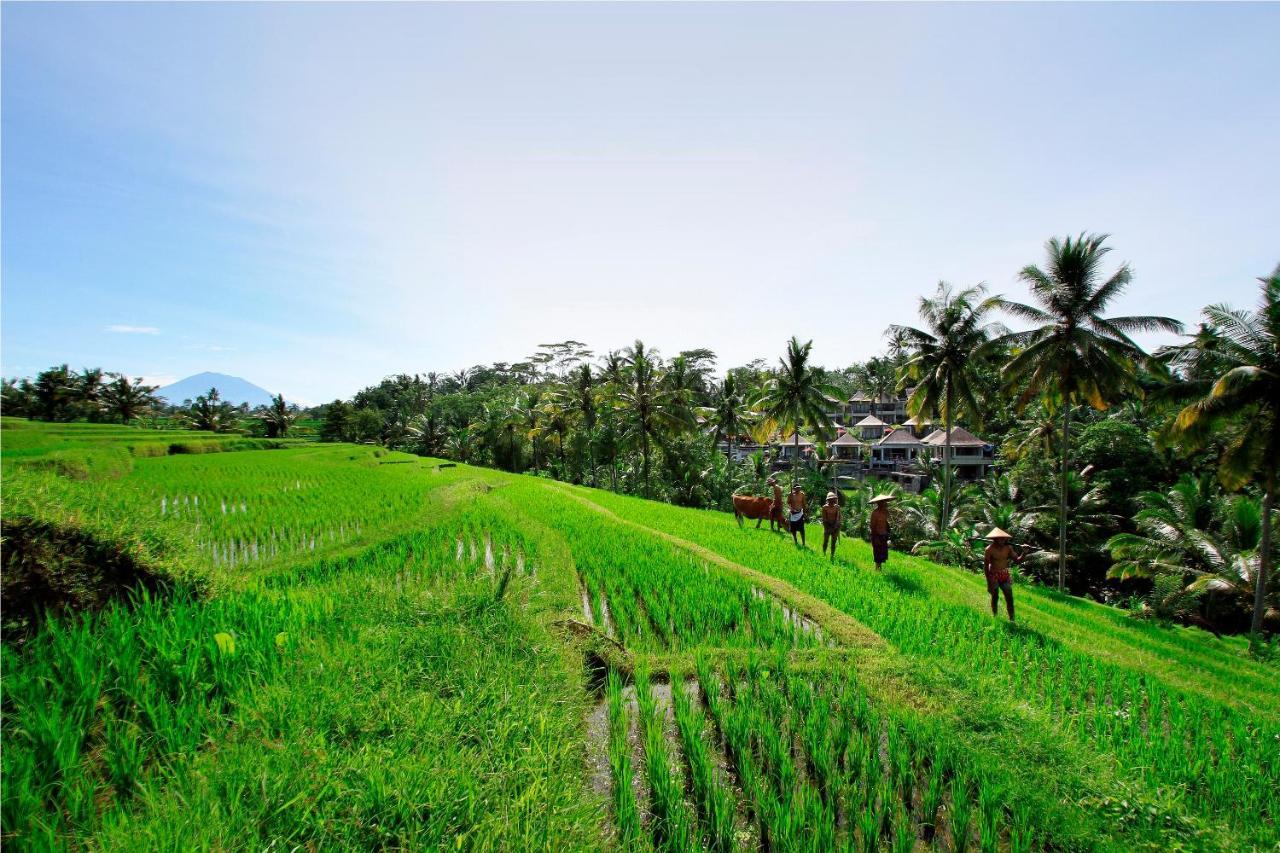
{"x":903,"y":583}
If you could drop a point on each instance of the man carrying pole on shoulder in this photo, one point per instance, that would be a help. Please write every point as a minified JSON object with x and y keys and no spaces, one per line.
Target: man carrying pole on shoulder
{"x":995,"y":565}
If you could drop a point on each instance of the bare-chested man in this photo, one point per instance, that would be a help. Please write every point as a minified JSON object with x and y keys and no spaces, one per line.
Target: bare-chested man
{"x":796,"y":503}
{"x":831,"y":524}
{"x":995,"y":565}
{"x":775,"y":511}
{"x":880,"y":529}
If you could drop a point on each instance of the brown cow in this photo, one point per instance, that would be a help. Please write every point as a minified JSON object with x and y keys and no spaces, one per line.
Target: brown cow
{"x":758,"y":508}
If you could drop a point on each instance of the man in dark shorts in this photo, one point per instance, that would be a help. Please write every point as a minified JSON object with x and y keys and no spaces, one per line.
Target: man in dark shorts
{"x":795,"y":516}
{"x":880,"y":529}
{"x":831,"y":524}
{"x":995,"y":565}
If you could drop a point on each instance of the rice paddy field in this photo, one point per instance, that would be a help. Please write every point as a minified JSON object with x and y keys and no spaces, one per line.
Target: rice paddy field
{"x":362,"y":649}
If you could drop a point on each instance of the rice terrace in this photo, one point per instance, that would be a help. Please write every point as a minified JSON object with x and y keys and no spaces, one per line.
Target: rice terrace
{"x":657,"y":427}
{"x":383,"y":653}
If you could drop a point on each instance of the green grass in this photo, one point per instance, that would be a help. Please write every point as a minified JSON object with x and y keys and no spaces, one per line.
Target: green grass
{"x":375,"y":655}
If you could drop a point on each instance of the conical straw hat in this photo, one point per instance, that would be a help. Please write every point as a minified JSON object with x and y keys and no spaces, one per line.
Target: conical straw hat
{"x":831,"y":495}
{"x":997,"y":533}
{"x":880,"y":498}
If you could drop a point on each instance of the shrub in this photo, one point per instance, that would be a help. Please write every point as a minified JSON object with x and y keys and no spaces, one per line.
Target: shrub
{"x":88,"y":464}
{"x":149,"y":449}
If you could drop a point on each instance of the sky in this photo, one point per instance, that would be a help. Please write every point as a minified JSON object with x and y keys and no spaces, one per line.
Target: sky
{"x":314,"y":196}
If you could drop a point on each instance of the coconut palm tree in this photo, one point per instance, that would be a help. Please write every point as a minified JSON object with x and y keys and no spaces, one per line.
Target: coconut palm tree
{"x":797,"y":396}
{"x":655,"y":410}
{"x":1245,"y":398}
{"x":125,"y":399}
{"x":728,"y":415}
{"x":944,"y":355}
{"x":584,"y":408}
{"x":279,"y":417}
{"x":1172,"y":534}
{"x":613,"y":376}
{"x":211,"y":412}
{"x":1075,"y":354}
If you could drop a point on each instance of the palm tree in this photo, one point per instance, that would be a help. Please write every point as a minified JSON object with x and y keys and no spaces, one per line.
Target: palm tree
{"x":943,"y":359}
{"x":1192,"y":534}
{"x":210,"y":412}
{"x":728,"y":415}
{"x":797,"y":396}
{"x":584,"y":405}
{"x":1087,"y":509}
{"x":1172,"y":534}
{"x":128,"y":400}
{"x":1076,"y":354}
{"x":613,"y":374}
{"x":1246,"y":398}
{"x":655,"y":409}
{"x":89,"y":389}
{"x":279,"y":417}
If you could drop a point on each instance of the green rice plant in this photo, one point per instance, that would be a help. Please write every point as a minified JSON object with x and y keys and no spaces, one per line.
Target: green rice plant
{"x":674,"y":828}
{"x":625,"y":809}
{"x":960,"y":814}
{"x":714,"y":801}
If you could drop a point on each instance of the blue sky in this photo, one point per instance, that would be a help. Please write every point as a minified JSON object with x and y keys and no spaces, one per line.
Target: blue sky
{"x":314,"y":196}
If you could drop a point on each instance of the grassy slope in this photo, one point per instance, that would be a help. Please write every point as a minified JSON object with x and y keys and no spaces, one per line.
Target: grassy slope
{"x":404,"y":706}
{"x":378,"y":695}
{"x":1049,"y":732}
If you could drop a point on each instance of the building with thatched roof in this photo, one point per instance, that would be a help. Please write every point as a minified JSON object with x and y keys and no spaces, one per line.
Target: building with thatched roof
{"x":870,"y":428}
{"x":971,"y":457}
{"x":847,"y":447}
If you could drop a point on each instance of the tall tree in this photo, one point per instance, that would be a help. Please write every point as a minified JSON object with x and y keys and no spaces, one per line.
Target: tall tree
{"x":1075,"y":354}
{"x":942,"y":361}
{"x":1245,"y":398}
{"x":584,"y":406}
{"x":211,"y":412}
{"x":654,"y":409}
{"x":729,"y":414}
{"x":614,"y":379}
{"x":56,"y":394}
{"x":796,"y":396}
{"x":126,"y":400}
{"x":278,"y":417}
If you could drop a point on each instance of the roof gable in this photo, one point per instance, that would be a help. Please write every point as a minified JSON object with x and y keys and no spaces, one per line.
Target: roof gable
{"x":900,"y":436}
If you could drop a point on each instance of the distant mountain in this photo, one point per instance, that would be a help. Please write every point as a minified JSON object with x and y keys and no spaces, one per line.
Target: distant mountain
{"x":233,"y":389}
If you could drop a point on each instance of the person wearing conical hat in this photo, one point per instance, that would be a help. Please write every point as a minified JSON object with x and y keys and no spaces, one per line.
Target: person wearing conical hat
{"x":995,"y":565}
{"x":879,"y":524}
{"x":831,"y":523}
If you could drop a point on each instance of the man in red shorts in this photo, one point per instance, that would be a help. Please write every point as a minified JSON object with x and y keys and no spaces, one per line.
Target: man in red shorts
{"x":995,"y":565}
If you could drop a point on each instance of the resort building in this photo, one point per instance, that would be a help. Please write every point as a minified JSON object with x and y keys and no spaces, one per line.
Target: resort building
{"x":870,"y":428}
{"x":971,"y":457}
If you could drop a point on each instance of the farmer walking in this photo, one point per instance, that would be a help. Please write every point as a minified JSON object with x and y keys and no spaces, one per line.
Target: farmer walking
{"x":775,"y":511}
{"x":995,"y":565}
{"x":830,"y":524}
{"x":880,"y":529}
{"x":796,"y":502}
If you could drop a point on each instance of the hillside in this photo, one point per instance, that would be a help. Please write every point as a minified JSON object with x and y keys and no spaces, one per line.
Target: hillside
{"x":232,"y":388}
{"x":397,"y":653}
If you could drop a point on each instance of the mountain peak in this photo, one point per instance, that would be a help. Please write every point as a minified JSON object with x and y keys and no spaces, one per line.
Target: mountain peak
{"x":233,"y":389}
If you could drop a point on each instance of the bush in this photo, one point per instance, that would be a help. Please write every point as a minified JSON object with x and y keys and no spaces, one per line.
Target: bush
{"x":180,"y":447}
{"x":85,"y":464}
{"x":150,"y":449}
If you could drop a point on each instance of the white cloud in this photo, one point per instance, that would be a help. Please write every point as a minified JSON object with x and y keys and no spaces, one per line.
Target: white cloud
{"x":160,"y":380}
{"x":122,"y":329}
